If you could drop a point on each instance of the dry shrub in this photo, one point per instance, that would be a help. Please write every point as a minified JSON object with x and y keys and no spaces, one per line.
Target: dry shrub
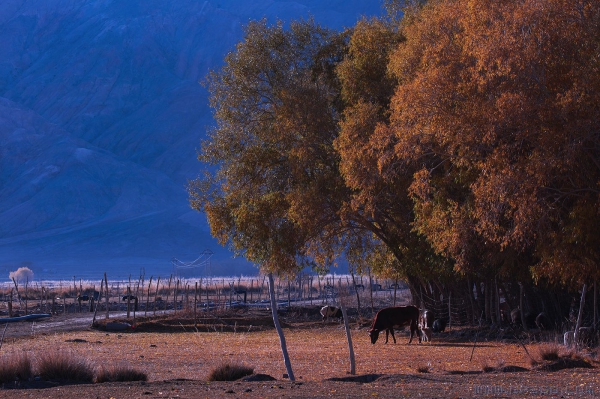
{"x":230,"y":372}
{"x":15,"y":366}
{"x":487,"y":368}
{"x":549,"y":351}
{"x":120,"y":374}
{"x":63,"y":366}
{"x":424,"y":368}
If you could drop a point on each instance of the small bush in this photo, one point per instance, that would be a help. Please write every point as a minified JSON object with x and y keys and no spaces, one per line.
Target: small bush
{"x":424,"y":368}
{"x":230,"y":372}
{"x":486,"y":368}
{"x":15,"y":367}
{"x":62,"y":366}
{"x":549,"y":352}
{"x":120,"y":374}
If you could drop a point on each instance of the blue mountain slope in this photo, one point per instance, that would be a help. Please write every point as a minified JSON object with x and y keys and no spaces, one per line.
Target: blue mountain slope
{"x":101,"y":116}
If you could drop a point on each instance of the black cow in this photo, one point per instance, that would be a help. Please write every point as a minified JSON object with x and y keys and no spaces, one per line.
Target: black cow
{"x":439,"y":325}
{"x":83,"y":298}
{"x":331,"y":311}
{"x":395,"y":317}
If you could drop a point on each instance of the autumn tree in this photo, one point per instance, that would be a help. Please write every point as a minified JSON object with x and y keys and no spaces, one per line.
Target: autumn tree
{"x":498,"y":103}
{"x":276,"y":192}
{"x":274,"y":189}
{"x":379,"y":209}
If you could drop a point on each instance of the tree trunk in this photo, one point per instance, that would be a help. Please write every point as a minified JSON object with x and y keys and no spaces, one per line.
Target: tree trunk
{"x":371,"y":291}
{"x":487,"y":296}
{"x":356,"y":291}
{"x":595,"y":305}
{"x":349,"y":336}
{"x":521,"y":307}
{"x":471,"y":300}
{"x":286,"y":357}
{"x":579,"y":317}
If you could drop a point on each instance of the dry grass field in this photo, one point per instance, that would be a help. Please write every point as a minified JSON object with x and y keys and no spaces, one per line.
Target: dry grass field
{"x":178,"y":358}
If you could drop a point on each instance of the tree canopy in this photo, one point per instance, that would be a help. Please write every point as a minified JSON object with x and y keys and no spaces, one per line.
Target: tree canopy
{"x":499,"y":102}
{"x":462,"y":140}
{"x":275,"y":190}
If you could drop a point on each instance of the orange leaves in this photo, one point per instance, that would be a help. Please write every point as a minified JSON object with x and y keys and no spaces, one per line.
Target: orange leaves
{"x":488,"y":97}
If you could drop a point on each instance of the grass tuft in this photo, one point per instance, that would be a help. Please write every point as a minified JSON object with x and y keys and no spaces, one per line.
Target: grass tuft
{"x":15,"y":367}
{"x":120,"y":374}
{"x":486,"y":368}
{"x":230,"y":372}
{"x":424,"y":368}
{"x":549,"y":352}
{"x":63,"y":366}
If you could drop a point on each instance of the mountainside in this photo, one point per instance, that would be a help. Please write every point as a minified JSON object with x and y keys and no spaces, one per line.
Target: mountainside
{"x":101,"y":116}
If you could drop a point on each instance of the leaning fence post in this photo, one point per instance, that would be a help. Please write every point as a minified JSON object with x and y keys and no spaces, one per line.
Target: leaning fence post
{"x":148,"y":297}
{"x":156,"y":296}
{"x":106,"y":296}
{"x":128,"y":301}
{"x":196,"y":307}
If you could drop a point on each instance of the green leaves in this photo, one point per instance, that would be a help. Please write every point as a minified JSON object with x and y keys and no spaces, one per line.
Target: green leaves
{"x":274,"y":102}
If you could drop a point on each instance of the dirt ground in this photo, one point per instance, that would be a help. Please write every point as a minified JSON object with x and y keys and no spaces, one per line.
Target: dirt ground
{"x":178,"y":353}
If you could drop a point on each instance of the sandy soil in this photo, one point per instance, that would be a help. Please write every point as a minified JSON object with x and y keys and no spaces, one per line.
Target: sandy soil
{"x":177,"y":355}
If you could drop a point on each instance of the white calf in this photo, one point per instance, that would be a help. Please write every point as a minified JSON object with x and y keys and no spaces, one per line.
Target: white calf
{"x":331,"y":311}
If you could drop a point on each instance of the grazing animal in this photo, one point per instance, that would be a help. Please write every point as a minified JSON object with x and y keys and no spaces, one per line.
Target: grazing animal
{"x":515,"y":316}
{"x":439,"y":325}
{"x":427,"y":319}
{"x":395,"y":317}
{"x":83,"y":298}
{"x":331,"y":311}
{"x":130,"y":297}
{"x":426,"y":334}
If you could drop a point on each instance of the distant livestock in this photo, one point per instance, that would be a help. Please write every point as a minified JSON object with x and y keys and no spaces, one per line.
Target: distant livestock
{"x":395,"y":317}
{"x":515,"y":316}
{"x":426,"y":334}
{"x":427,"y":319}
{"x":439,"y":325}
{"x":530,"y":318}
{"x":83,"y":298}
{"x":331,"y":311}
